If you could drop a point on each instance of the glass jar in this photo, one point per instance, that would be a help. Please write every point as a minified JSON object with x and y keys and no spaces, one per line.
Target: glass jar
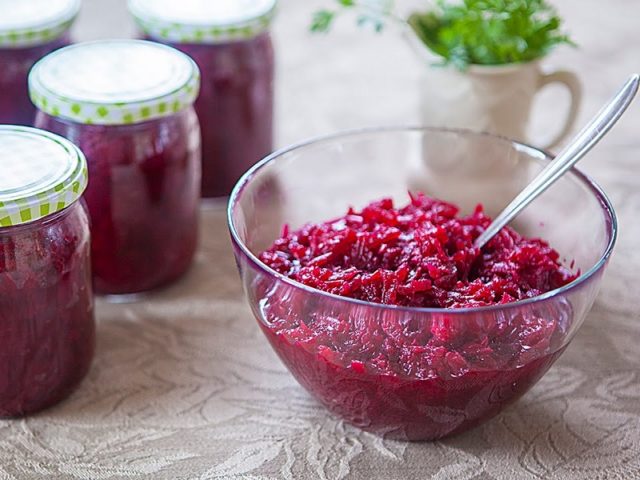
{"x":28,"y":31}
{"x":231,"y":44}
{"x":128,"y":105}
{"x":47,"y":329}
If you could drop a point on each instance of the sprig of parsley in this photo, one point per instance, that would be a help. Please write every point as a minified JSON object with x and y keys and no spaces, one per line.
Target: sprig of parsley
{"x":479,"y":32}
{"x":372,"y":12}
{"x":490,"y":32}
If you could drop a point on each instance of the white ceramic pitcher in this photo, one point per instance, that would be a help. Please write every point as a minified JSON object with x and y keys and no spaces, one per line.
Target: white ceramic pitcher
{"x":494,"y":99}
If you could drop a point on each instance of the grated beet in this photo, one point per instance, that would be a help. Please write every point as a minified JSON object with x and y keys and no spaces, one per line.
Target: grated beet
{"x":47,"y":328}
{"x":420,"y":255}
{"x":409,"y":374}
{"x":143,"y":198}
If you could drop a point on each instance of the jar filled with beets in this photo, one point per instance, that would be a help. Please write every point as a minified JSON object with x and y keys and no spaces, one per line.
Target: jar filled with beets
{"x":29,"y":30}
{"x":128,"y":104}
{"x":231,"y":44}
{"x":47,"y":329}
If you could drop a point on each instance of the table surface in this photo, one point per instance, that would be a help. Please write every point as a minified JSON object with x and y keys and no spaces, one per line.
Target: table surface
{"x":185,"y":386}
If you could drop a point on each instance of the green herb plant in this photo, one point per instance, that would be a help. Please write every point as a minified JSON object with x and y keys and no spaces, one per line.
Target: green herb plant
{"x":370,"y":12}
{"x":469,"y":32}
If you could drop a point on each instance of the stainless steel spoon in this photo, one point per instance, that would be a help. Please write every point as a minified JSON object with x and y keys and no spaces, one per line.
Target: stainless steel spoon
{"x":569,"y":156}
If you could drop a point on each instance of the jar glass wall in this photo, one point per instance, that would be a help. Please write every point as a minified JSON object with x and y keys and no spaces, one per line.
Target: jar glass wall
{"x":15,"y":106}
{"x":235,"y":108}
{"x":232,"y":46}
{"x":143,"y":198}
{"x":47,"y":329}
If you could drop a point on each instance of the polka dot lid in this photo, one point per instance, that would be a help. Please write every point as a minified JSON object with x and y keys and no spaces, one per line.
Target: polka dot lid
{"x":114,"y":82}
{"x":25,"y":23}
{"x":42,"y":174}
{"x":203,"y":21}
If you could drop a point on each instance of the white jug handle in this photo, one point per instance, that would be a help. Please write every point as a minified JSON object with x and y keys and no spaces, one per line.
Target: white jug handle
{"x":571,"y":82}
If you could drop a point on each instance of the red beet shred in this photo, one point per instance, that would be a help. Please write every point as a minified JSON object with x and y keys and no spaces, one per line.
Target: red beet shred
{"x":413,"y":375}
{"x":420,"y":255}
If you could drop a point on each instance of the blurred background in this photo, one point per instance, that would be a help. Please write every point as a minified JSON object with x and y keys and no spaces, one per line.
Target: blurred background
{"x":381,"y":74}
{"x":182,"y":380}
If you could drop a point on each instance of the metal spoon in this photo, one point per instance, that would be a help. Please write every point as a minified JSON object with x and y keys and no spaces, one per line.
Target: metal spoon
{"x":569,"y":156}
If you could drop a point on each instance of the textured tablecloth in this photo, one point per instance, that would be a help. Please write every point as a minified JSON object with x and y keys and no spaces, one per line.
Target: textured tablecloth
{"x":185,"y":386}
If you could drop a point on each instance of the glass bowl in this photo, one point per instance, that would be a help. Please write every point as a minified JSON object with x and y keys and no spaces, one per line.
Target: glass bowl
{"x":360,"y":359}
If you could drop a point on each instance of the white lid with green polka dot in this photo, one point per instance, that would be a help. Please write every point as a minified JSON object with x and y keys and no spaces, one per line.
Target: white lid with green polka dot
{"x":42,"y":174}
{"x":25,"y":23}
{"x":203,"y":21}
{"x":114,"y":82}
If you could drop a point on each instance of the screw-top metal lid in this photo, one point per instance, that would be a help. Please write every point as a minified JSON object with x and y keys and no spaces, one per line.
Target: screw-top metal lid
{"x":203,"y":21}
{"x":25,"y":23}
{"x":114,"y":82}
{"x":42,"y":174}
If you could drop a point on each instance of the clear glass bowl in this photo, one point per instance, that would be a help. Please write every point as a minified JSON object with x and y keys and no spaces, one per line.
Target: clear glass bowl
{"x":491,"y":355}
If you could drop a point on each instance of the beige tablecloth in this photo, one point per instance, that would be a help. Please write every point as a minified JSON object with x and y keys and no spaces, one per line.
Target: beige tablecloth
{"x":184,"y":385}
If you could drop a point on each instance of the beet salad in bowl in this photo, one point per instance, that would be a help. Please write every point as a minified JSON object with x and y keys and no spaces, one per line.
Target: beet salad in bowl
{"x":356,"y":254}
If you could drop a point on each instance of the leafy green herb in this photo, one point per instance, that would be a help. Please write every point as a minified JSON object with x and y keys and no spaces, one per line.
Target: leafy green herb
{"x":490,"y":32}
{"x":480,"y":32}
{"x":322,"y":21}
{"x":372,"y":13}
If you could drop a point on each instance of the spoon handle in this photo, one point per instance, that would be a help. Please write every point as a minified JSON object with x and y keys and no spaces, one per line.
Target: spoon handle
{"x":577,"y":148}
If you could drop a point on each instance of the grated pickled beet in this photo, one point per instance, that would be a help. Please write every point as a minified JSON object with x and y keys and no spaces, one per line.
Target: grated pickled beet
{"x":410,"y":374}
{"x":47,"y":328}
{"x":420,"y":255}
{"x":143,"y":198}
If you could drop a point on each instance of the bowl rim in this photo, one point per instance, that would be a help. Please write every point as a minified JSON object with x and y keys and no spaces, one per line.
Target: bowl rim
{"x":605,"y":203}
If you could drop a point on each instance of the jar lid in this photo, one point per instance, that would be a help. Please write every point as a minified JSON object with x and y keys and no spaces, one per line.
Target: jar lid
{"x":42,"y":174}
{"x":203,"y":21}
{"x":34,"y":22}
{"x":114,"y":82}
